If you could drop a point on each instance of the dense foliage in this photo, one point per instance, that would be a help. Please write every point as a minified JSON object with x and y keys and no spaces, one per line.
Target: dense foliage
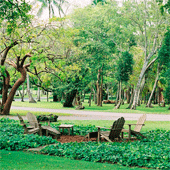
{"x":152,"y":152}
{"x":12,"y":137}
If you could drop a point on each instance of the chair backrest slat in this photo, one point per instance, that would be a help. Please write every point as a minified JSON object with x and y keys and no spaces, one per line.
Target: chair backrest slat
{"x":32,"y":120}
{"x":139,"y":123}
{"x":116,"y":128}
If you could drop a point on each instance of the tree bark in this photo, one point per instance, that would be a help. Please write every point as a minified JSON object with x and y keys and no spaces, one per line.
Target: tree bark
{"x":90,"y":98}
{"x":128,"y":95}
{"x":98,"y":88}
{"x":154,"y":87}
{"x":22,"y":93}
{"x":69,"y":98}
{"x":131,"y":98}
{"x":5,"y":87}
{"x":31,"y":99}
{"x":9,"y":100}
{"x":120,"y":96}
{"x":139,"y":85}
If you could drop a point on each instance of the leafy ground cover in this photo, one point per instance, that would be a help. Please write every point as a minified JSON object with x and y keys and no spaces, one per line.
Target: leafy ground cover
{"x":24,"y":160}
{"x":105,"y":108}
{"x":153,"y":152}
{"x":12,"y":137}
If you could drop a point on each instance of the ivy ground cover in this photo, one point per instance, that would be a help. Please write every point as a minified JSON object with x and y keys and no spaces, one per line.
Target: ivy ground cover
{"x":12,"y":137}
{"x":153,"y":152}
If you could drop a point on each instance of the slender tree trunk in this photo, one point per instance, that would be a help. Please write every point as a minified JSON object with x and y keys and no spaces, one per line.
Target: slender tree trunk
{"x":120,"y":96}
{"x":31,"y":99}
{"x":128,"y":95}
{"x":5,"y":87}
{"x":47,"y":96}
{"x":98,"y":88}
{"x":107,"y":92}
{"x":101,"y":90}
{"x":90,"y":98}
{"x":38,"y":94}
{"x":154,"y":87}
{"x":139,"y":85}
{"x":117,"y":95}
{"x":131,"y":98}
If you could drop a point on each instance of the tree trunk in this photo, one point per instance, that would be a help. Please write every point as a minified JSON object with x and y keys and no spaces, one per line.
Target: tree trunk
{"x":69,"y":98}
{"x":131,"y":98}
{"x":47,"y":96}
{"x":128,"y":95}
{"x":5,"y":87}
{"x":154,"y":87}
{"x":98,"y":88}
{"x":120,"y":96}
{"x":90,"y":98}
{"x":117,"y":95}
{"x":101,"y":91}
{"x":38,"y":94}
{"x":139,"y":85}
{"x":22,"y":93}
{"x":9,"y":100}
{"x":31,"y":99}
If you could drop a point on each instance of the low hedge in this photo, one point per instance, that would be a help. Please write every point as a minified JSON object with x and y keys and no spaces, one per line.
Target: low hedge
{"x":12,"y":137}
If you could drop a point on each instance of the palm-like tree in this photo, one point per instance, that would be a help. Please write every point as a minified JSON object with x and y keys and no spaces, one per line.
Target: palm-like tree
{"x":50,"y":4}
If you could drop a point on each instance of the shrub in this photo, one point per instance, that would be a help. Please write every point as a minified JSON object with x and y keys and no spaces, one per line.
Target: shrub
{"x":153,"y":152}
{"x":12,"y":137}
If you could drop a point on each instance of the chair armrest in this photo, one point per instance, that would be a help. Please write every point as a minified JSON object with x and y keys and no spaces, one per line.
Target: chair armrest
{"x":135,"y":124}
{"x":103,"y":128}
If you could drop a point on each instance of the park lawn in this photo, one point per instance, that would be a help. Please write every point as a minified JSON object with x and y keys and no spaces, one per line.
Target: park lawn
{"x":149,"y":125}
{"x":105,"y":108}
{"x":24,"y":160}
{"x":14,"y":112}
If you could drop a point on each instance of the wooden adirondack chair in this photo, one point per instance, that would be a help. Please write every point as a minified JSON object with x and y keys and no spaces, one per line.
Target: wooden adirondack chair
{"x":137,"y":129}
{"x":48,"y":130}
{"x":26,"y":129}
{"x":114,"y":132}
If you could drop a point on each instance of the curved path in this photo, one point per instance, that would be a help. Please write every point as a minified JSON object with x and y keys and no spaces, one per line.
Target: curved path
{"x":92,"y":115}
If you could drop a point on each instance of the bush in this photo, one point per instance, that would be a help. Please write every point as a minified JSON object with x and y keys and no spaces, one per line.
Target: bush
{"x":153,"y":152}
{"x":12,"y":137}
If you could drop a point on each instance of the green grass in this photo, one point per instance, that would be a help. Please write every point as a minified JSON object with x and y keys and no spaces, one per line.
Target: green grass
{"x":24,"y":113}
{"x":23,"y":160}
{"x":149,"y":125}
{"x":105,"y":108}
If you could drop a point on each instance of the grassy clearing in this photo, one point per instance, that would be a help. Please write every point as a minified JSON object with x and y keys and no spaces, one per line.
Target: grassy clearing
{"x":105,"y":108}
{"x":149,"y":125}
{"x":24,"y":113}
{"x":24,"y":160}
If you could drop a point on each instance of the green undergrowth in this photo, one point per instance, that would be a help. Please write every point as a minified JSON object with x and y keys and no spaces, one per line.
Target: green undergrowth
{"x":12,"y":137}
{"x":153,"y":152}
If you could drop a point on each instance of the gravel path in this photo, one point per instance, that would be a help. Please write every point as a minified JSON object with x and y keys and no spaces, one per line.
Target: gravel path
{"x":92,"y":115}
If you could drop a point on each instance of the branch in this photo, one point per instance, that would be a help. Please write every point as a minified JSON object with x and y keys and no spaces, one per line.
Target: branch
{"x":24,"y":58}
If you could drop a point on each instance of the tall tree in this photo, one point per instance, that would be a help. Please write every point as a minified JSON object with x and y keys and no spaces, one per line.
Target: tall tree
{"x":151,"y":26}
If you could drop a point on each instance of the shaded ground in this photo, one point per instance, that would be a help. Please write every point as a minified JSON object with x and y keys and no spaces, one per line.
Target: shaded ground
{"x":76,"y":138}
